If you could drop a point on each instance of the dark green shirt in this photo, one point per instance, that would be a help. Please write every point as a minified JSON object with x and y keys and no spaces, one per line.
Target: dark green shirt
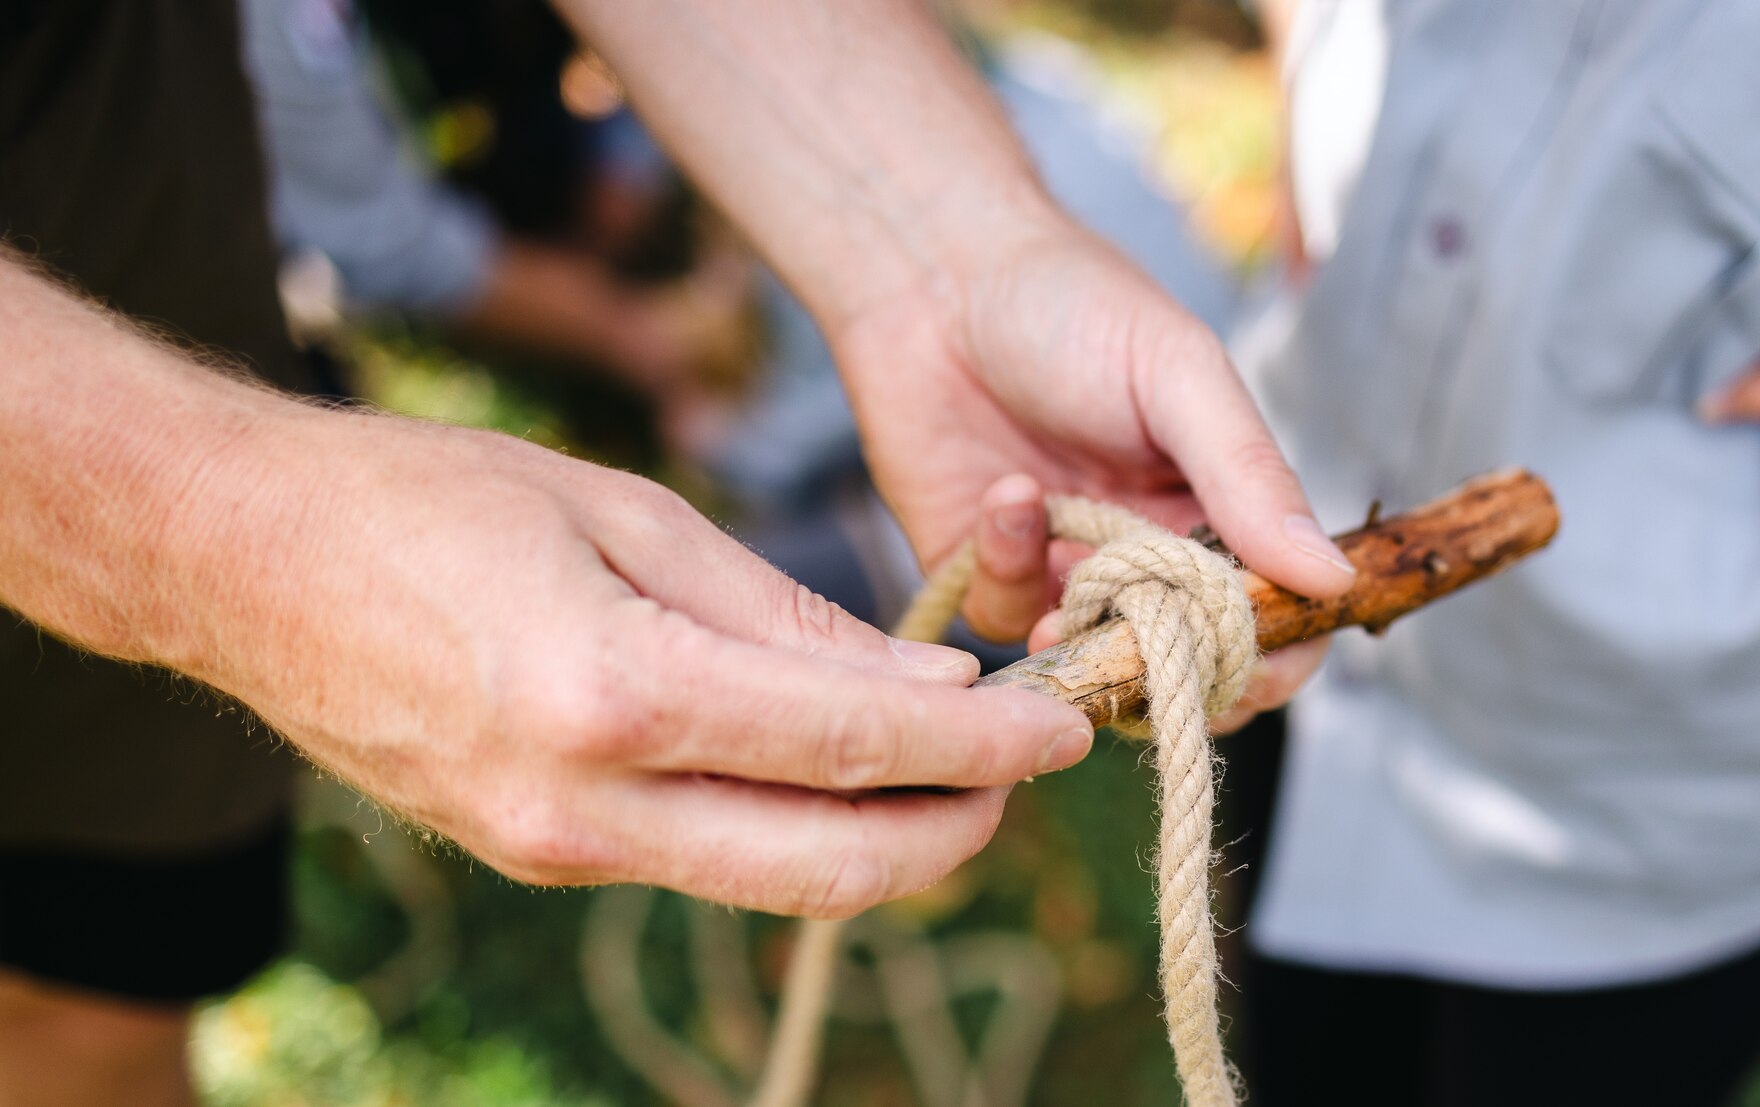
{"x":129,"y":163}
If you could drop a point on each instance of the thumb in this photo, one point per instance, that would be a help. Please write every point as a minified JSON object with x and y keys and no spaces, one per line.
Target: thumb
{"x":670,"y":553}
{"x":1198,"y":412}
{"x":1738,"y":402}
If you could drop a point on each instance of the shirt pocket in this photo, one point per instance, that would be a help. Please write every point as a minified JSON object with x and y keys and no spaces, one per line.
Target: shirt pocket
{"x":1661,"y":282}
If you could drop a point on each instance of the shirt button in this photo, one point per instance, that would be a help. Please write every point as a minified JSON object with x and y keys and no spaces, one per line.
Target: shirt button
{"x":1448,"y":236}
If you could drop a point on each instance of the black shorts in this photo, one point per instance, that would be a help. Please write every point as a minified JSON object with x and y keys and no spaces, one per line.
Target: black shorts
{"x":164,"y":929}
{"x":1305,"y":1035}
{"x":1317,"y":1036}
{"x":143,"y":827}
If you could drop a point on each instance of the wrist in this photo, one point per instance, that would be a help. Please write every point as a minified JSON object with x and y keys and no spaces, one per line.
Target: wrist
{"x":980,"y":232}
{"x":976,"y":241}
{"x":233,"y":502}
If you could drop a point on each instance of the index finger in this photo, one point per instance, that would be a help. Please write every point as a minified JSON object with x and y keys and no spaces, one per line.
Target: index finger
{"x":720,"y":705}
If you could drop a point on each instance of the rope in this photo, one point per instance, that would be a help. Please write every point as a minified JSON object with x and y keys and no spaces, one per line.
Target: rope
{"x":793,"y":1064}
{"x":1194,"y":626}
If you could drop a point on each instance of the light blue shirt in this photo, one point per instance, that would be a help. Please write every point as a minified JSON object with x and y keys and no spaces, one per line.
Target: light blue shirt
{"x":1538,"y":222}
{"x":340,"y":181}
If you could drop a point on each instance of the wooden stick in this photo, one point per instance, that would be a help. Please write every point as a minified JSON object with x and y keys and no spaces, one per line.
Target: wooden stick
{"x":1402,"y":563}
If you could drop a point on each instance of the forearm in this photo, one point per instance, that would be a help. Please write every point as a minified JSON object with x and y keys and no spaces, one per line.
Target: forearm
{"x":851,"y":140}
{"x":117,"y":452}
{"x":489,"y":637}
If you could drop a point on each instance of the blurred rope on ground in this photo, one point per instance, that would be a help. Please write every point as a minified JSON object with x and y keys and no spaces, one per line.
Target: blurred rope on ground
{"x":911,"y":984}
{"x":918,"y":980}
{"x":611,"y":978}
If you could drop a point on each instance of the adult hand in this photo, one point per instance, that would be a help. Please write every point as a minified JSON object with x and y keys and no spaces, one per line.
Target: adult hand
{"x":578,"y":678}
{"x":981,"y":333}
{"x":563,"y":668}
{"x":1057,"y":366}
{"x":1059,"y":361}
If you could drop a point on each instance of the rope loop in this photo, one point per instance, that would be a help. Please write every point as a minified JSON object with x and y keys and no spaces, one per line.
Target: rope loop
{"x":1164,"y":575}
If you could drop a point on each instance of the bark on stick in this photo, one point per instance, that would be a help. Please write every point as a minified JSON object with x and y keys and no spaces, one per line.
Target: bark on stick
{"x":1403,"y":562}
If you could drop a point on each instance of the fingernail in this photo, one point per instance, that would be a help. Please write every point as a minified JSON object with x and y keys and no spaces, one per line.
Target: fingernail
{"x":1305,"y":535}
{"x":1066,"y":749}
{"x":929,"y":655}
{"x":1016,"y":520}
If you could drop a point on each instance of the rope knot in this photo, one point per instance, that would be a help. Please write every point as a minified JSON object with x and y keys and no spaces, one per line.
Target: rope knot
{"x":1177,"y":595}
{"x":1195,"y":630}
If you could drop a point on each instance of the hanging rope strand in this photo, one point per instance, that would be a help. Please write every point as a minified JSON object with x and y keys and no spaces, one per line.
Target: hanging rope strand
{"x":792,"y":1067}
{"x":1194,"y":627}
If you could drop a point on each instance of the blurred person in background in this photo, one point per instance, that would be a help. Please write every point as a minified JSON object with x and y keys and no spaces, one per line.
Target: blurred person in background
{"x":487,"y":637}
{"x":1516,"y":854}
{"x":347,"y":187}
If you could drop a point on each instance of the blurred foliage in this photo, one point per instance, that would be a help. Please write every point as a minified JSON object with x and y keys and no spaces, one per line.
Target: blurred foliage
{"x":295,"y":1038}
{"x":494,"y":1011}
{"x":409,"y":367}
{"x":409,"y":371}
{"x":1220,"y":140}
{"x":1229,"y":22}
{"x":1207,"y":93}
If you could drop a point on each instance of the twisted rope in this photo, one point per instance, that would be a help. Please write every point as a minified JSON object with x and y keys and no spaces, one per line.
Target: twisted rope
{"x":1194,"y":626}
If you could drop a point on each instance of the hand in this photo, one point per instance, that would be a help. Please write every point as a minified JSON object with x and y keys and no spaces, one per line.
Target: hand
{"x":580,"y":680}
{"x":1061,"y":368}
{"x":1738,"y":402}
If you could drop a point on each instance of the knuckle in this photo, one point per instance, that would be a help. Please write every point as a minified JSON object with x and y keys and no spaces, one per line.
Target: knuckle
{"x":535,"y":844}
{"x":1012,"y":558}
{"x":847,"y":883}
{"x":808,"y":617}
{"x":585,"y":716}
{"x":987,"y":763}
{"x":1231,"y":720}
{"x":1001,"y":744}
{"x":624,"y":710}
{"x":857,"y":757}
{"x":655,"y":515}
{"x":618,"y":724}
{"x":669,"y":509}
{"x":1258,"y":461}
{"x":1279,"y":684}
{"x":1285,"y":672}
{"x":1166,"y":336}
